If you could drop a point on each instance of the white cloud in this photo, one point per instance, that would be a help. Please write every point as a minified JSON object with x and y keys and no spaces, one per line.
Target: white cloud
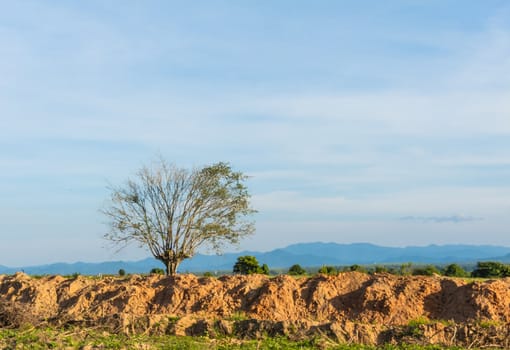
{"x":478,"y":202}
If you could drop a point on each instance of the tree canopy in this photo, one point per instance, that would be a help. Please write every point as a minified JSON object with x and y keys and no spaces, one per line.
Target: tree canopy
{"x":172,"y":211}
{"x":454,"y":270}
{"x":488,"y":269}
{"x":296,"y":270}
{"x":247,"y":265}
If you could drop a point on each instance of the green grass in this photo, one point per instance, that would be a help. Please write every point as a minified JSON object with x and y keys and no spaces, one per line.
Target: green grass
{"x":489,"y":323}
{"x":40,"y":339}
{"x":238,"y":316}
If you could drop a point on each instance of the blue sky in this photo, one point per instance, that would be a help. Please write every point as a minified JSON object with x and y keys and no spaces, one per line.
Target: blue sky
{"x":375,"y":121}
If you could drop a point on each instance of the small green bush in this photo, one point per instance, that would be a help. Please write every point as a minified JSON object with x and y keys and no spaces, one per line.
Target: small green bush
{"x":454,"y":270}
{"x":328,"y":270}
{"x":296,"y":270}
{"x":157,"y":271}
{"x":247,"y":265}
{"x":380,"y":269}
{"x":428,"y":270}
{"x":357,"y":268}
{"x":405,"y":269}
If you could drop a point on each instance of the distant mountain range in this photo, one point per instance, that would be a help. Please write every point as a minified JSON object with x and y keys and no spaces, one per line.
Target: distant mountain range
{"x":305,"y":254}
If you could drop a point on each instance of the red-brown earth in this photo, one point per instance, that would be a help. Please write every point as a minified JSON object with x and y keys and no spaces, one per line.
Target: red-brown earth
{"x":348,"y":307}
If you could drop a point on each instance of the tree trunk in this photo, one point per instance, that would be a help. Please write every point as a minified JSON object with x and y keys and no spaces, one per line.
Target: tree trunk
{"x":171,"y":267}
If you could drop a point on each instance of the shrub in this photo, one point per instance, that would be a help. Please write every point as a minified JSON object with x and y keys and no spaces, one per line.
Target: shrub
{"x":394,"y":271}
{"x":247,"y":265}
{"x":357,"y":268}
{"x":380,"y":269}
{"x":428,"y":270}
{"x":414,"y":328}
{"x":405,"y":269}
{"x":296,"y":270}
{"x":157,"y":271}
{"x":122,"y":272}
{"x":454,"y":270}
{"x":328,"y":270}
{"x":487,"y":269}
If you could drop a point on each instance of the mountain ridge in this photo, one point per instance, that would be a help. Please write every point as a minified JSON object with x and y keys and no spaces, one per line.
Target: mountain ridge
{"x":311,"y":254}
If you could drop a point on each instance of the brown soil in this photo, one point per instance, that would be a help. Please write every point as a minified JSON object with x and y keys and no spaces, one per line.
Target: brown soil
{"x":347,"y":307}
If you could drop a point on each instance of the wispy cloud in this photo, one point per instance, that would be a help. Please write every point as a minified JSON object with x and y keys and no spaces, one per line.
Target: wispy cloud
{"x":483,"y":202}
{"x":442,"y":219}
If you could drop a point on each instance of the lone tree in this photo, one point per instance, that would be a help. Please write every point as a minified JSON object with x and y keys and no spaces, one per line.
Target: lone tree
{"x":172,"y":211}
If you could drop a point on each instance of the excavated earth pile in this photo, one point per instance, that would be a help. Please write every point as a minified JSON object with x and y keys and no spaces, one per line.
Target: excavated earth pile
{"x":349,"y":307}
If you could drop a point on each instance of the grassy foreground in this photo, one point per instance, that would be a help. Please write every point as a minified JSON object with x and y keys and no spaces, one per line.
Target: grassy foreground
{"x":33,"y":338}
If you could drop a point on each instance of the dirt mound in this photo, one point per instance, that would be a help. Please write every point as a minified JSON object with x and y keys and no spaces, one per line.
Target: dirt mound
{"x":348,"y":307}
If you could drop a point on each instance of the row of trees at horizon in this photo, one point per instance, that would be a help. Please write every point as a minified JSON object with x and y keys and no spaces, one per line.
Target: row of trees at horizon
{"x":483,"y":269}
{"x":247,"y":265}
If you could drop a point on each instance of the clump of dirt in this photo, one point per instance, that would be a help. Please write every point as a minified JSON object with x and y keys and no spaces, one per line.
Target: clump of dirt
{"x":349,"y":307}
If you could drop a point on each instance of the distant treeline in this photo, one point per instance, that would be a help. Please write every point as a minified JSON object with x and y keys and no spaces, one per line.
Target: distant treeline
{"x":247,"y":265}
{"x":482,"y":269}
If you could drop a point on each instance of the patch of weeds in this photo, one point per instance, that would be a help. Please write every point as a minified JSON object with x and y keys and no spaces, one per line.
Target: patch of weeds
{"x":23,"y":337}
{"x":283,"y":343}
{"x":488,"y":323}
{"x":414,"y":328}
{"x":418,"y":321}
{"x":173,"y":319}
{"x":446,"y":323}
{"x":111,"y":341}
{"x":472,"y":280}
{"x":170,"y":324}
{"x":238,"y":316}
{"x":80,"y":338}
{"x":37,"y":277}
{"x":416,"y":347}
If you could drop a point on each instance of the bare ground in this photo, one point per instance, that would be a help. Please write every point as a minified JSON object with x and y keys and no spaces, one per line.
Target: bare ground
{"x":349,"y":307}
